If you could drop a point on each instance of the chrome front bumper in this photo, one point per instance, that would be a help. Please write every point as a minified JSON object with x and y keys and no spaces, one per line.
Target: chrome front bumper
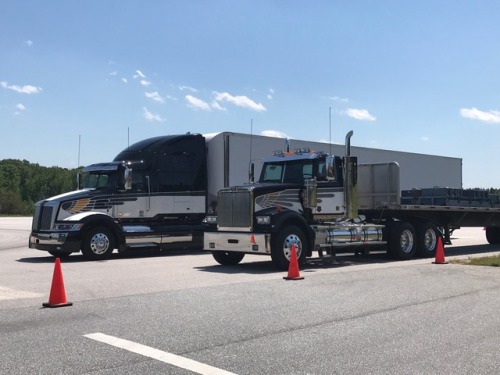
{"x":58,"y":241}
{"x":238,"y":242}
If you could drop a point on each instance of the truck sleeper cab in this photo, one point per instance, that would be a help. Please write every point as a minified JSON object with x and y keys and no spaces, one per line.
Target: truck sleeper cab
{"x":152,"y":195}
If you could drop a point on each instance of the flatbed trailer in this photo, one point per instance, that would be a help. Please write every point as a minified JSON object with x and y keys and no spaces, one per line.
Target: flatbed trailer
{"x":445,"y":217}
{"x":380,"y":199}
{"x":312,"y":201}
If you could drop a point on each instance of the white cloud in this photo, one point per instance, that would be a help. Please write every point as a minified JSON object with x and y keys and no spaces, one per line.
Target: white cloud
{"x":273,"y":133}
{"x":142,"y":78}
{"x":197,"y":103}
{"x":124,"y":80}
{"x":359,"y":114}
{"x":270,"y":94}
{"x":475,"y":114}
{"x":26,"y":89}
{"x":20,"y":107}
{"x":155,"y":96}
{"x":29,"y":43}
{"x":139,"y":74}
{"x":240,"y":101}
{"x":187,"y":88}
{"x":339,"y":99}
{"x":217,"y":106}
{"x":151,"y":116}
{"x":113,"y":73}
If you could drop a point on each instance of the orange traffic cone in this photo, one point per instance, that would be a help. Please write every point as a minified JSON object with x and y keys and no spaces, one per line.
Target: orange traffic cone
{"x":57,"y":296}
{"x":293,"y":268}
{"x":440,"y":253}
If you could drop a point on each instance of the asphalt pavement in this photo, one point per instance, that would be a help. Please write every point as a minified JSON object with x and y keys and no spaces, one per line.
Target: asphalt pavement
{"x":181,"y":313}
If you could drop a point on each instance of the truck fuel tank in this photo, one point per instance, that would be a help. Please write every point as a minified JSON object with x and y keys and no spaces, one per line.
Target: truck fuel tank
{"x":343,"y":234}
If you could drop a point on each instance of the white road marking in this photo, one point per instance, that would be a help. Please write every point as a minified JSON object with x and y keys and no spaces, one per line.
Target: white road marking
{"x":172,"y":359}
{"x":8,"y":293}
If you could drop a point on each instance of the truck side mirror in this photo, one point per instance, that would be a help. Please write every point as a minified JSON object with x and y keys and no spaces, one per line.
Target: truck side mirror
{"x":127,"y":179}
{"x":330,"y":168}
{"x":311,"y":193}
{"x":251,"y":173}
{"x":80,"y":179}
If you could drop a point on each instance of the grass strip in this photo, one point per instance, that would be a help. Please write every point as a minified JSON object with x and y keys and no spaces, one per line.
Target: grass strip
{"x":493,"y":261}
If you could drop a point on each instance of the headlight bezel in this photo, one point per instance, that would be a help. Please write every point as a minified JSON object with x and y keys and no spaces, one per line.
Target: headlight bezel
{"x":67,"y":227}
{"x":263,"y":220}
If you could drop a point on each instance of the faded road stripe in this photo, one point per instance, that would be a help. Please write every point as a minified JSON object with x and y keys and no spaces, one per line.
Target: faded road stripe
{"x":172,"y":359}
{"x":8,"y":293}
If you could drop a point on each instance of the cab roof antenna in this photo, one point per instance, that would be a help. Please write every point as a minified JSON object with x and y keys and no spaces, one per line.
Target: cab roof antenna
{"x":330,"y":125}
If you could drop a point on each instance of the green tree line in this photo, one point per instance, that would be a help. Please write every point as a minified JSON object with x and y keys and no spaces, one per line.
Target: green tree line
{"x":22,"y":184}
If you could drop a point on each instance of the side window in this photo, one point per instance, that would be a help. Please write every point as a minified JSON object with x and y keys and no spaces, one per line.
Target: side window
{"x":181,"y":167}
{"x":307,"y":171}
{"x":294,"y":172}
{"x":321,"y":176}
{"x":138,"y":183}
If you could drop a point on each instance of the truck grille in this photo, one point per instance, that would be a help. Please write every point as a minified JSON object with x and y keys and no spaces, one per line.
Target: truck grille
{"x":234,"y":209}
{"x":42,"y":218}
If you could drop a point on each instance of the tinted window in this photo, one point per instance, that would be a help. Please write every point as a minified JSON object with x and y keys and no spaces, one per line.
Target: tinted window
{"x":180,"y":167}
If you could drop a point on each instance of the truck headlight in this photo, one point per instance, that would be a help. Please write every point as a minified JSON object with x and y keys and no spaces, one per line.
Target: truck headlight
{"x":67,"y":227}
{"x":263,"y":220}
{"x":210,"y":219}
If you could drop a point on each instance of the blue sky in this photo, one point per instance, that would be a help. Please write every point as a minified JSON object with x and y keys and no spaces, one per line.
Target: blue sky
{"x":417,"y":76}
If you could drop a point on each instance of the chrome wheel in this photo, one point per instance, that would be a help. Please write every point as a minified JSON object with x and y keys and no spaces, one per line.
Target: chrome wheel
{"x":99,"y":244}
{"x":406,"y":241}
{"x":290,"y":240}
{"x":430,"y":239}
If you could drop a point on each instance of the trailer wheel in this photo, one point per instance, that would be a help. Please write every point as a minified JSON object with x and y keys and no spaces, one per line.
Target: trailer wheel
{"x":227,"y":258}
{"x":402,"y":241}
{"x":98,"y":243}
{"x":427,"y":240}
{"x":281,"y":246}
{"x":493,"y":235}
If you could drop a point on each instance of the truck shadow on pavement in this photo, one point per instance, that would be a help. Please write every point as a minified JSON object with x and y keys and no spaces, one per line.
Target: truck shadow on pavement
{"x":340,"y":261}
{"x":264,"y":266}
{"x":131,"y":254}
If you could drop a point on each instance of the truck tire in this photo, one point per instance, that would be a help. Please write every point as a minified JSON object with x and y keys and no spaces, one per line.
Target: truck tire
{"x":98,"y":243}
{"x":402,"y":241}
{"x":281,"y":246}
{"x":227,"y":258}
{"x":493,"y":235}
{"x":427,"y":240}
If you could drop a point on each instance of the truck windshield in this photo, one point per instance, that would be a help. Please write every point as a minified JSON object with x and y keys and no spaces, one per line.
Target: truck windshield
{"x":294,"y":171}
{"x":100,"y":180}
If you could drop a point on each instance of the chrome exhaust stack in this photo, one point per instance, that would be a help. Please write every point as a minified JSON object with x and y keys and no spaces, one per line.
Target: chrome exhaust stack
{"x":350,"y":180}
